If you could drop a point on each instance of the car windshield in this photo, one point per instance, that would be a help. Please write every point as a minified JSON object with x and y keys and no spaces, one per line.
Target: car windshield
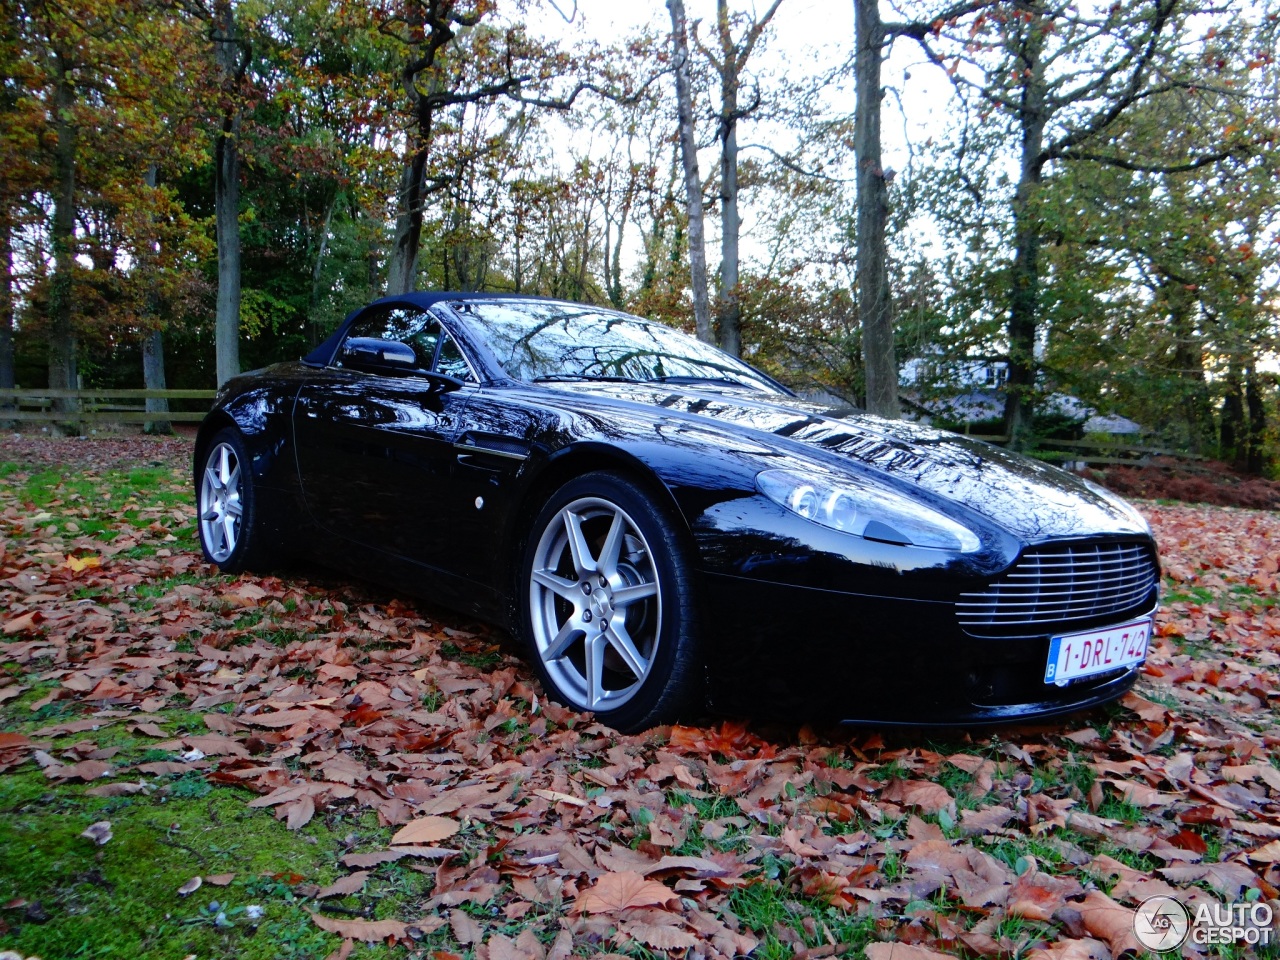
{"x":536,"y":341}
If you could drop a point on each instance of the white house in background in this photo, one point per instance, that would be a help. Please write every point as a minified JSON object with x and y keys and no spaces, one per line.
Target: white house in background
{"x":976,"y":395}
{"x":966,"y":375}
{"x":1113,"y":424}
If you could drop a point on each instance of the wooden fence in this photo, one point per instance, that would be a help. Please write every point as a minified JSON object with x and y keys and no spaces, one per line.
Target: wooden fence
{"x":36,"y":405}
{"x":1096,"y":452}
{"x":1106,"y":452}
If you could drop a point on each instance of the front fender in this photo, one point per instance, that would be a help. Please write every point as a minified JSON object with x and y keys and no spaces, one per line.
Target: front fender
{"x":259,"y":406}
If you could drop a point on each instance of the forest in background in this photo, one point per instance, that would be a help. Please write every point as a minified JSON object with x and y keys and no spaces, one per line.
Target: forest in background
{"x":195,"y":187}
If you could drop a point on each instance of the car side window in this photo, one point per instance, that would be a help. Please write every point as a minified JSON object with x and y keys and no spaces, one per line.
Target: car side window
{"x":433,"y":348}
{"x":415,"y":328}
{"x":451,"y":361}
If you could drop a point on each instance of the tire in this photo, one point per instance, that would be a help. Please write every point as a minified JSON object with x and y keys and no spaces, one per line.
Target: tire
{"x":228,"y":517}
{"x":606,"y":598}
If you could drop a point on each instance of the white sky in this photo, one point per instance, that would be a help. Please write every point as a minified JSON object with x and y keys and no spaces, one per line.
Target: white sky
{"x":817,"y":34}
{"x":806,"y":38}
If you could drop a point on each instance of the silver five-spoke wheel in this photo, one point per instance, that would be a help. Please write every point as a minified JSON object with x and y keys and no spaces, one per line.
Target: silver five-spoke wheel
{"x":595,"y":600}
{"x":221,"y":502}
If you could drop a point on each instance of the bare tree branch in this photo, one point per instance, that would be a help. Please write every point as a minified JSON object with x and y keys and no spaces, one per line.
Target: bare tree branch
{"x":793,"y":166}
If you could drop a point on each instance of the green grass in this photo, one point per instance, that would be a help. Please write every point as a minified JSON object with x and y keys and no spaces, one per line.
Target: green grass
{"x":1078,"y":774}
{"x":1015,"y":853}
{"x":696,"y":812}
{"x":958,"y":783}
{"x":121,"y":900}
{"x":1116,"y":809}
{"x":892,"y":771}
{"x":764,"y":907}
{"x":480,"y":659}
{"x":432,"y":700}
{"x":1237,"y":596}
{"x":105,"y":507}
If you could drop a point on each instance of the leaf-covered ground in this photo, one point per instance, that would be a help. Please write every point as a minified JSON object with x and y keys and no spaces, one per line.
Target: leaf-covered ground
{"x":348,"y":772}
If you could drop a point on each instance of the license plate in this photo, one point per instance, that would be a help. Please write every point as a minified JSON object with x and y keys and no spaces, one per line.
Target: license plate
{"x":1078,"y":655}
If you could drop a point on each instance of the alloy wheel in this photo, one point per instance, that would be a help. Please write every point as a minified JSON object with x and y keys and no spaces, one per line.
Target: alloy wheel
{"x":596,"y":604}
{"x":221,"y":502}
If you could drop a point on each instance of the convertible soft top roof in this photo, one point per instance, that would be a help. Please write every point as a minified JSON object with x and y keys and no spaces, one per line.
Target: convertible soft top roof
{"x":322,"y":355}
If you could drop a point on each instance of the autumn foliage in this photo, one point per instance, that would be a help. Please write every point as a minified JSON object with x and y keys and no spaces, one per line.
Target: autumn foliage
{"x":1215,"y":483}
{"x":321,"y":696}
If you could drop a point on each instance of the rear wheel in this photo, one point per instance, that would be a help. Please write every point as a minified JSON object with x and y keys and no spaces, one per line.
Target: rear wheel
{"x":231,"y":532}
{"x":608,"y":604}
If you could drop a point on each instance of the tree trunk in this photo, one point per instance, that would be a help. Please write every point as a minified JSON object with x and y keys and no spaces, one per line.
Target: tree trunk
{"x":1232,"y":431}
{"x":465,"y":251}
{"x":373,"y":259}
{"x":617,"y":293}
{"x":1188,"y":361}
{"x":517,"y":278}
{"x":153,"y":378}
{"x":316,"y":272}
{"x":62,"y":340}
{"x":730,"y":305}
{"x":402,"y":265}
{"x":729,"y":65}
{"x":7,"y":375}
{"x":730,"y":223}
{"x":153,"y":348}
{"x":612,"y":250}
{"x":1024,"y":295}
{"x":606,"y":252}
{"x":1255,"y":441}
{"x":874,"y":305}
{"x":692,"y":180}
{"x":227,"y":197}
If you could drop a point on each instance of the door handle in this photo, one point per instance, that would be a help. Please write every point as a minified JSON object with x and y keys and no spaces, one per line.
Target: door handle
{"x":479,"y":462}
{"x":471,"y":446}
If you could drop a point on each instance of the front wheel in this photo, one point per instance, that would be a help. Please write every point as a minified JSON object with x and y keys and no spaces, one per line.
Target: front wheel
{"x":231,"y":533}
{"x":608,"y":606}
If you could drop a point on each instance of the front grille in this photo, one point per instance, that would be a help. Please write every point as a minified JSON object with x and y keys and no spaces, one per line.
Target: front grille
{"x":1060,"y":585}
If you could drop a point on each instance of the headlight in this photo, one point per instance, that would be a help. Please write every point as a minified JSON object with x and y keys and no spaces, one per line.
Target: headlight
{"x":858,"y":507}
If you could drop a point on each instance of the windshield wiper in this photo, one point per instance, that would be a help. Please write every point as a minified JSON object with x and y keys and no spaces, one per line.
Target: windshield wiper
{"x":678,"y":380}
{"x":693,"y":381}
{"x":569,"y":377}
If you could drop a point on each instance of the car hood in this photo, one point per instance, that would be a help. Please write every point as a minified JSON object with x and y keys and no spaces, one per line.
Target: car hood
{"x":1029,"y":499}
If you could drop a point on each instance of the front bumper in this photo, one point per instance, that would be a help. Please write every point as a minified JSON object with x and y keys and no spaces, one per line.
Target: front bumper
{"x":810,"y":654}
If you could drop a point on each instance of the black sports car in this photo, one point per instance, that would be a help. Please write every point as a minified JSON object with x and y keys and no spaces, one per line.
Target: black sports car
{"x":667,"y":528}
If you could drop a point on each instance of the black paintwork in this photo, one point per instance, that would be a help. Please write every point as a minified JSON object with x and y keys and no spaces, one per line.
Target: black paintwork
{"x":382,"y":475}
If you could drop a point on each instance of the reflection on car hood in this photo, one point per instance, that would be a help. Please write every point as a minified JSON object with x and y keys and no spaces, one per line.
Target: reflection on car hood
{"x":1028,"y":498}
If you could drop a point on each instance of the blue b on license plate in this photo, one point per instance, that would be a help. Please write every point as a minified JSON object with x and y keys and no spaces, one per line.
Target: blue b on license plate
{"x":1078,"y":655}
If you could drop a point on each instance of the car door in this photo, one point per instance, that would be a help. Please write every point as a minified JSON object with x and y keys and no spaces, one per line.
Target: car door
{"x":375,"y":444}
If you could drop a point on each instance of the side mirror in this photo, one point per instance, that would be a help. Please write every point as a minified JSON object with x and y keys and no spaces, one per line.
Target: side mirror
{"x":378,"y":356}
{"x":392,"y":357}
